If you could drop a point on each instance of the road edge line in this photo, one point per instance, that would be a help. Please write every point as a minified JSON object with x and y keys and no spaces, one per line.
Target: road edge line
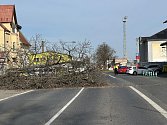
{"x":162,"y":111}
{"x":61,"y":110}
{"x":15,"y":95}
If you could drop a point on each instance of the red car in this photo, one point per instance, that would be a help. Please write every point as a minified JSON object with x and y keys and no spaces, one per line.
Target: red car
{"x":122,"y":69}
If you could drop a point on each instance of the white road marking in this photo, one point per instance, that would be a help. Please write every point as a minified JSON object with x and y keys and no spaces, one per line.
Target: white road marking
{"x":151,"y":102}
{"x":59,"y":112}
{"x":16,"y":95}
{"x":112,"y":76}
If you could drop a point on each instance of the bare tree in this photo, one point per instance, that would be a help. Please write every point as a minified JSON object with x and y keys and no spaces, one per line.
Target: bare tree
{"x":7,"y":56}
{"x":36,"y":42}
{"x":23,"y":57}
{"x":54,"y":47}
{"x":78,"y":50}
{"x":83,"y":50}
{"x":4,"y":55}
{"x":53,"y":72}
{"x":103,"y":53}
{"x":69,"y":47}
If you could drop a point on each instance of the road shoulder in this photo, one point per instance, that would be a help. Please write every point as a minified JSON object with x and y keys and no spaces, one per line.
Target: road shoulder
{"x":9,"y":93}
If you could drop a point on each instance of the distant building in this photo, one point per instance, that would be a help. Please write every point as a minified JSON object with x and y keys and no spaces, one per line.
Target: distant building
{"x":48,"y":58}
{"x":121,"y":61}
{"x":11,"y":38}
{"x":153,"y":49}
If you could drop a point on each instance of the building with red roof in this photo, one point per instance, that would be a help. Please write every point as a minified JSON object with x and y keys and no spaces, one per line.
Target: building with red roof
{"x":12,"y":39}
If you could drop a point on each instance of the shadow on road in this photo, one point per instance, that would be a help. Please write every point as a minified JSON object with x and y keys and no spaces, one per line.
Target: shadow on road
{"x":163,"y":75}
{"x":145,"y":109}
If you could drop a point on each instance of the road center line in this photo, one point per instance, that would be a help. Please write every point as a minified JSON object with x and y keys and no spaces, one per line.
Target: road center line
{"x":156,"y":106}
{"x":60,"y":111}
{"x":15,"y":95}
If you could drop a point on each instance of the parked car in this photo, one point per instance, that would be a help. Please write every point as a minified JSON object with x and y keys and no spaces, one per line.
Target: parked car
{"x":154,"y":67}
{"x":132,"y":70}
{"x":122,"y":69}
{"x":141,"y":70}
{"x":137,"y":70}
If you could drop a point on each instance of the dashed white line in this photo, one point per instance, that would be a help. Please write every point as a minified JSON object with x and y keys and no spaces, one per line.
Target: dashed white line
{"x":109,"y":75}
{"x":112,"y":76}
{"x":16,"y":95}
{"x":59,"y":113}
{"x":151,"y":102}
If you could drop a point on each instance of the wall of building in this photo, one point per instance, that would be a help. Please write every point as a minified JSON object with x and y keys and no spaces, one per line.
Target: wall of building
{"x":143,"y":51}
{"x":121,"y":61}
{"x":1,"y":39}
{"x":48,"y":58}
{"x":156,"y":53}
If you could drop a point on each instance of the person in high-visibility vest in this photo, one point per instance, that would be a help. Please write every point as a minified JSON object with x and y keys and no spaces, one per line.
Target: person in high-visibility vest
{"x":116,"y":69}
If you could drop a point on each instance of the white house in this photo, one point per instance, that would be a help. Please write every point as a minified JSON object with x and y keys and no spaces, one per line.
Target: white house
{"x":153,"y":48}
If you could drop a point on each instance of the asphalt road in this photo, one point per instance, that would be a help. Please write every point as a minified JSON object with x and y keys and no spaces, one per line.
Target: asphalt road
{"x":153,"y":87}
{"x":117,"y":104}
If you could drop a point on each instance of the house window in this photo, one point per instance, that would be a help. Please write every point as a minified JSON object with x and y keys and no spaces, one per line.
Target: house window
{"x":14,"y":46}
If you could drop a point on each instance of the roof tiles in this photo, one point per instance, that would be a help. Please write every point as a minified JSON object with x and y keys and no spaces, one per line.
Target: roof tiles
{"x":6,"y":13}
{"x":24,"y":40}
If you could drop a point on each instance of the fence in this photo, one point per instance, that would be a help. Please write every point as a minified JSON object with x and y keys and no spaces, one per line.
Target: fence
{"x":150,"y":73}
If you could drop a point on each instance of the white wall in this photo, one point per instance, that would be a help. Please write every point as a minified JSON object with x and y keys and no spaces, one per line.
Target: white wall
{"x":156,"y":53}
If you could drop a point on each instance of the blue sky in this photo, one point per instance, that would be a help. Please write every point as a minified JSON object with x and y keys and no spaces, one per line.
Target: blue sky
{"x":95,"y":20}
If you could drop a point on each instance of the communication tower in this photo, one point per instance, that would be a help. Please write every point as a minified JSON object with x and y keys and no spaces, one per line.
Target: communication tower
{"x":124,"y":37}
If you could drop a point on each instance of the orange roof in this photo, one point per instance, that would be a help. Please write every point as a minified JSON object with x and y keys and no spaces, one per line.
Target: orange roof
{"x":23,"y":39}
{"x":6,"y":13}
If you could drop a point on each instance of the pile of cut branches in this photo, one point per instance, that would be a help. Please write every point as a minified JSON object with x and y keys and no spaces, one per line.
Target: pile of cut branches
{"x":92,"y":79}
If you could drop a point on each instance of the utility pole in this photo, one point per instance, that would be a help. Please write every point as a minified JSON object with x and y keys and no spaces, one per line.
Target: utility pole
{"x":35,"y":49}
{"x":124,"y":37}
{"x":42,"y":45}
